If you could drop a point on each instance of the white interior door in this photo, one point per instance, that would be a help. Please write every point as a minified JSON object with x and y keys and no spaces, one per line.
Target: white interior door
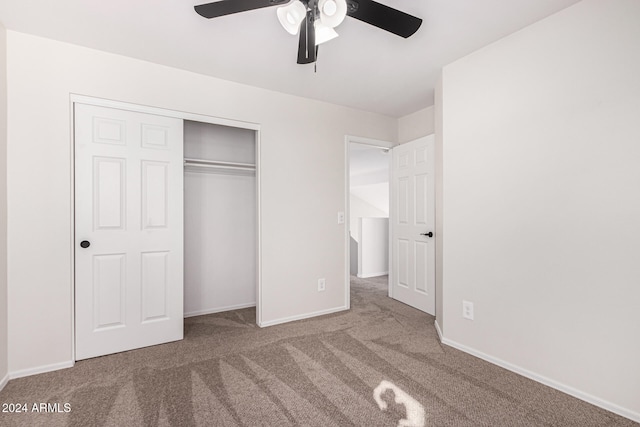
{"x":412,"y":217}
{"x":129,"y":228}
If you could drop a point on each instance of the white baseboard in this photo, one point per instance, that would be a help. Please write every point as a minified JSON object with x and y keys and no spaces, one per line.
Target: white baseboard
{"x":439,"y":331}
{"x":366,"y":276}
{"x":219,"y":309}
{"x":40,"y":369}
{"x":4,"y":381}
{"x":627,"y":413}
{"x":301,"y":316}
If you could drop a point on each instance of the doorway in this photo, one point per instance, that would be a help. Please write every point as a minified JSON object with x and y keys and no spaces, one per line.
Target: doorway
{"x":369,"y":209}
{"x":367,"y":205}
{"x":391,"y":195}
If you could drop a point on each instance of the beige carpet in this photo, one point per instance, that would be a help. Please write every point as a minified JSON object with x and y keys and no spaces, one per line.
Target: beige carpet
{"x":317,"y":372}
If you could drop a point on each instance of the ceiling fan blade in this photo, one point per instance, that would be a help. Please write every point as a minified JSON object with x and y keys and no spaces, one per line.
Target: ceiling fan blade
{"x":307,"y":49}
{"x":384,"y":17}
{"x":227,"y":7}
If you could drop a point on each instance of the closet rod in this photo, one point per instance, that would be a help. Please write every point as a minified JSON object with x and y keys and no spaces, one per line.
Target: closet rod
{"x":218,"y":164}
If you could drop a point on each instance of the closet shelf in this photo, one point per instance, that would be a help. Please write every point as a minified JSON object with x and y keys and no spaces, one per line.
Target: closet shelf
{"x":218,"y":164}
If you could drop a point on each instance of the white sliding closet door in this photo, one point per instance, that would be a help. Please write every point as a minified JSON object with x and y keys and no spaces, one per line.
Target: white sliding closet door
{"x":129,"y":230}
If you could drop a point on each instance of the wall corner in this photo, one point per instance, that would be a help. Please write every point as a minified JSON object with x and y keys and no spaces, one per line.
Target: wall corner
{"x":439,"y":173}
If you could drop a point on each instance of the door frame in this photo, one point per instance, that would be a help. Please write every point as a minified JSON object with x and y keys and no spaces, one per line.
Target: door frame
{"x":108,"y":103}
{"x":348,"y":139}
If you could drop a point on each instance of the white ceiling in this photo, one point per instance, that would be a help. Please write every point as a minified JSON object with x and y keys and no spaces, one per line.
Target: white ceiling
{"x":367,"y":159}
{"x":364,"y":68}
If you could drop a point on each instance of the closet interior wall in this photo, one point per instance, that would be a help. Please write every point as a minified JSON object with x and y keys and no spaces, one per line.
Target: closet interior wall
{"x":219,"y":218}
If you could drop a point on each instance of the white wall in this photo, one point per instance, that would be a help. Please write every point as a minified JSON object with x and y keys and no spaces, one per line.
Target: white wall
{"x":373,"y":253}
{"x":360,"y":208}
{"x":415,"y":125}
{"x":3,"y":208}
{"x":302,"y":189}
{"x":542,"y":201}
{"x":374,"y":195}
{"x":368,"y":184}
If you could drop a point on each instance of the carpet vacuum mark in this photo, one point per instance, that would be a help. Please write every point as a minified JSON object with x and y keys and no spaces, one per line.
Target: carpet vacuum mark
{"x":378,"y":364}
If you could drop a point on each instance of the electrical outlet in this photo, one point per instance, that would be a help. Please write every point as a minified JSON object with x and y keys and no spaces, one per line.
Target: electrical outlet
{"x":321,"y":285}
{"x":467,"y":310}
{"x":340,"y":217}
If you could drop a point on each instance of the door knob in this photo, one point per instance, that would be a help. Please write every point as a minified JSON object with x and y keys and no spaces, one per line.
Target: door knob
{"x":429,"y":234}
{"x":85,"y":244}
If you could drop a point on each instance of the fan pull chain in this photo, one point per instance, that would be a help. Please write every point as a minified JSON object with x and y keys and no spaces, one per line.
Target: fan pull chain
{"x":315,"y":63}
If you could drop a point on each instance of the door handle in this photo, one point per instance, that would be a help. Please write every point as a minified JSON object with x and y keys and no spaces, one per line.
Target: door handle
{"x":85,"y":244}
{"x":429,"y":234}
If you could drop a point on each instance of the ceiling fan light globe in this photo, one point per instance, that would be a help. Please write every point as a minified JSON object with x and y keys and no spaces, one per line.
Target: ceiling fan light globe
{"x":324,"y":33}
{"x":291,"y":16}
{"x":332,"y":12}
{"x":329,"y":8}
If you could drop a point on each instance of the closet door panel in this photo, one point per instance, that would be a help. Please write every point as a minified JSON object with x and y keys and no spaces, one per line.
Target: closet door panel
{"x":109,"y":193}
{"x":154,"y":285}
{"x":155,"y":194}
{"x":129,"y":230}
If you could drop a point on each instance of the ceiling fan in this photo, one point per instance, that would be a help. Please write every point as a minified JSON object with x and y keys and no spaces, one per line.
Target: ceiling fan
{"x":315,"y":20}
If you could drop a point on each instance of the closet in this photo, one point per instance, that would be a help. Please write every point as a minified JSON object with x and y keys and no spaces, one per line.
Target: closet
{"x":219,"y":218}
